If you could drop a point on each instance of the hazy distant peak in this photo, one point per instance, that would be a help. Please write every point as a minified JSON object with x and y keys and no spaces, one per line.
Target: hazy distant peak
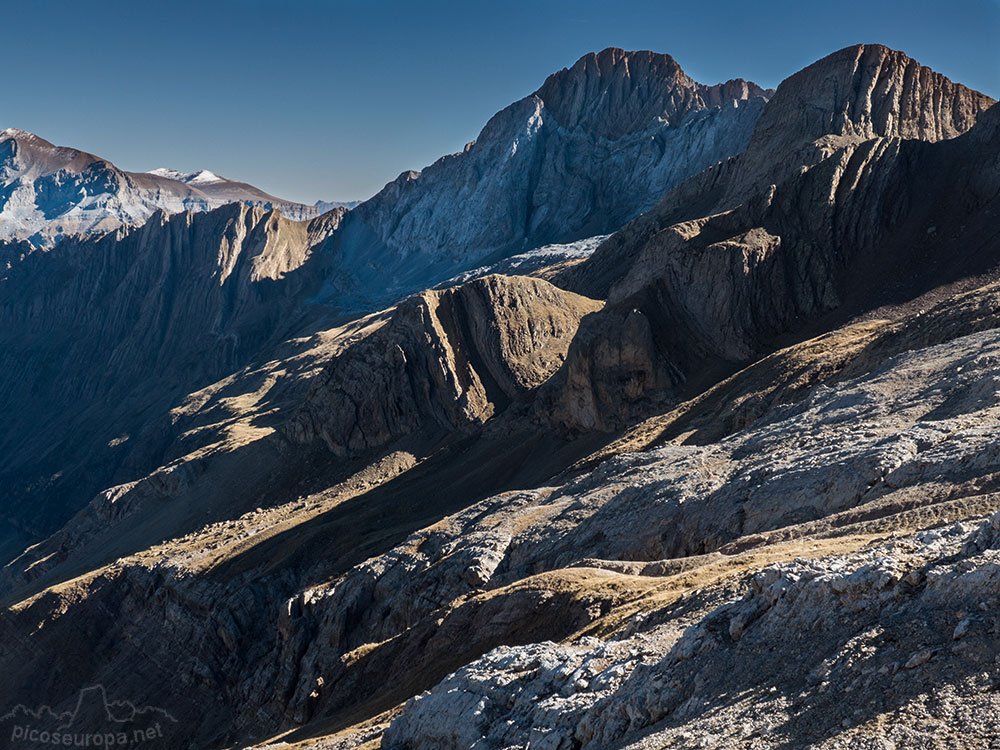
{"x":325,"y":206}
{"x":48,"y":192}
{"x":170,"y":174}
{"x":202,"y":177}
{"x":205,"y":176}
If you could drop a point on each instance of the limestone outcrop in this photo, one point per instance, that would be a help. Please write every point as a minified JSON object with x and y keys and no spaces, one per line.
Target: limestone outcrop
{"x":446,"y":360}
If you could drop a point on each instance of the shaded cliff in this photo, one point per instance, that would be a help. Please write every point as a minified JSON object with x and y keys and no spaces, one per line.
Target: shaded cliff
{"x":102,"y":337}
{"x":860,"y":93}
{"x":864,"y":223}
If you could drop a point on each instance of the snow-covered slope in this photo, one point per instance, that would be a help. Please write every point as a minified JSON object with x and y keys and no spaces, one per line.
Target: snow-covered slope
{"x":204,"y":177}
{"x":48,"y":192}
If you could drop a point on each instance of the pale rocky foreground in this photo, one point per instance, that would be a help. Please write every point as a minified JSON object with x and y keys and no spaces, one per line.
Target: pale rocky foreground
{"x":860,"y":633}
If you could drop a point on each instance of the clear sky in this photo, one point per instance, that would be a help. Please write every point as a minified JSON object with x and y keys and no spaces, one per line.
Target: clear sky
{"x":314,"y":99}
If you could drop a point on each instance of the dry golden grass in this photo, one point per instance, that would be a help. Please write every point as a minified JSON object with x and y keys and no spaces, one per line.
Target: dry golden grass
{"x":666,"y":590}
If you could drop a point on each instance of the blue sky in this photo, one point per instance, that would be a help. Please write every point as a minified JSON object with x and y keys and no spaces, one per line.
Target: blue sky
{"x":314,"y":99}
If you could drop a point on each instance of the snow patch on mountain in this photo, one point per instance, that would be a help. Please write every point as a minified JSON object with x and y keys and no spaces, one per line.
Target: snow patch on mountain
{"x":203,"y":177}
{"x":541,"y":257}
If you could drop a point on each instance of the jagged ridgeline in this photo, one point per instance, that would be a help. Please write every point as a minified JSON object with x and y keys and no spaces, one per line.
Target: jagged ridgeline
{"x":725,"y":476}
{"x":128,"y":323}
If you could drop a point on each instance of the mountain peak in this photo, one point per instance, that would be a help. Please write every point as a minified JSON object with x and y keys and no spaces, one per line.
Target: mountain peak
{"x":614,"y":92}
{"x":205,"y":176}
{"x":614,"y":60}
{"x":613,"y":64}
{"x":16,"y":134}
{"x":870,"y":90}
{"x":170,"y":174}
{"x":611,"y":56}
{"x":48,"y":192}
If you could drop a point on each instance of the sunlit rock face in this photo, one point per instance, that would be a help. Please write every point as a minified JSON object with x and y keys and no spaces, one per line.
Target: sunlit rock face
{"x":596,"y":145}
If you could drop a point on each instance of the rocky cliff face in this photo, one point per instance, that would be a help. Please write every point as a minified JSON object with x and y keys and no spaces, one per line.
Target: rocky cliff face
{"x":869,"y":91}
{"x":593,"y":147}
{"x":708,"y":291}
{"x":101,"y":336}
{"x":860,"y":93}
{"x":49,"y":192}
{"x":452,"y":359}
{"x":188,"y":301}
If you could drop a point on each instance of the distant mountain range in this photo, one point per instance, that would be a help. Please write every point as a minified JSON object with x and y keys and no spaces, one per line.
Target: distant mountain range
{"x":49,"y":192}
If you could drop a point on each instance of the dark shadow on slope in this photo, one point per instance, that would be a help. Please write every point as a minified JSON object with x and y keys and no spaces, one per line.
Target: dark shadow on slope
{"x":130,"y":324}
{"x":935,"y":235}
{"x":459,"y":473}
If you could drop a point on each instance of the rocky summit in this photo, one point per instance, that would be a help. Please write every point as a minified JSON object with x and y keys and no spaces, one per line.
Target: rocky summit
{"x":664,"y":415}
